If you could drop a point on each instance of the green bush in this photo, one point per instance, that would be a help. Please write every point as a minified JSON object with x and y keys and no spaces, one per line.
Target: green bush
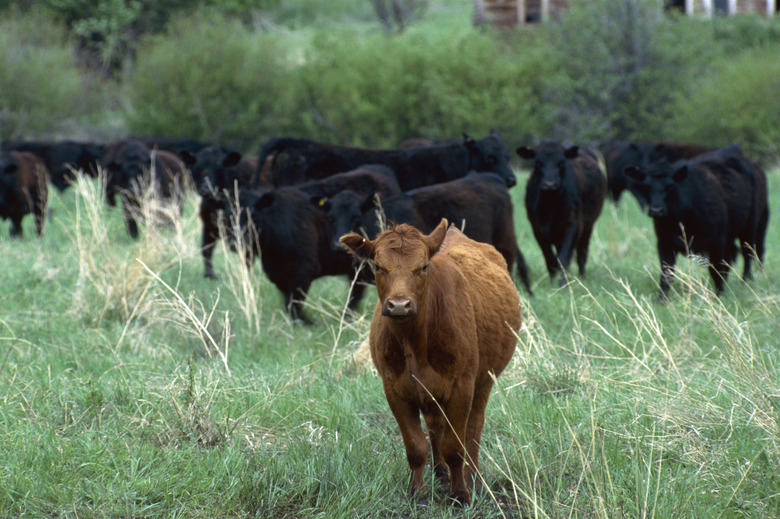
{"x":41,"y":89}
{"x":612,"y":67}
{"x":736,"y":103}
{"x":210,"y":79}
{"x":378,"y":90}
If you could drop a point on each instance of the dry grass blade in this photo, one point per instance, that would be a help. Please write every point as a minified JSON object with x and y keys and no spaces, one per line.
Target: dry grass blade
{"x":201,"y":325}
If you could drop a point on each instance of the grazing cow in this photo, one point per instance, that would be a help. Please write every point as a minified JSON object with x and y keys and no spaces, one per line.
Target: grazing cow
{"x":293,"y":239}
{"x":219,"y":174}
{"x":295,"y":161}
{"x":443,"y":328}
{"x":620,"y":155}
{"x":62,"y":158}
{"x":563,"y":199}
{"x":128,"y":164}
{"x":480,"y":202}
{"x":280,"y":215}
{"x":702,"y":206}
{"x":23,"y":189}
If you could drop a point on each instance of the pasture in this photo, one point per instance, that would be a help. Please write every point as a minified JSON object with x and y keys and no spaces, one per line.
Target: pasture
{"x":131,"y":386}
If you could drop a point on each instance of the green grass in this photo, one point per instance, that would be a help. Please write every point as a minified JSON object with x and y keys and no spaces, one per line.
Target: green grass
{"x":130,"y":386}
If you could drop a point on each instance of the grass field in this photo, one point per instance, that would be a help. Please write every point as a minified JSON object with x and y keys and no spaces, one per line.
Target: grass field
{"x":130,"y":386}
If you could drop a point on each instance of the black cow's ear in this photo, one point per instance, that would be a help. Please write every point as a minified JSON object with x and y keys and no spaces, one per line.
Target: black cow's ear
{"x":468,"y":141}
{"x":231,"y":159}
{"x":321,"y":202}
{"x":358,"y":245}
{"x":264,"y":201}
{"x":571,"y":152}
{"x":681,"y":173}
{"x":367,"y":204}
{"x":525,"y":152}
{"x":634,"y":173}
{"x":188,"y":157}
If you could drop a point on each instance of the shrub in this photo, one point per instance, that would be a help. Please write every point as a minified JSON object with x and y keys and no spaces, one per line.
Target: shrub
{"x":210,"y":79}
{"x":736,"y":103}
{"x":40,"y":86}
{"x":612,"y":67}
{"x":378,"y":90}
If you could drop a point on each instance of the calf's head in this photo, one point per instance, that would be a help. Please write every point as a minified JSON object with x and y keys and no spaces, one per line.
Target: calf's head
{"x":490,"y":155}
{"x":659,"y":183}
{"x":551,"y":162}
{"x":401,"y":257}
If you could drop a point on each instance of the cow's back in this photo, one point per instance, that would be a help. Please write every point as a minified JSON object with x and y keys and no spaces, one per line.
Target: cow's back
{"x":492,"y":293}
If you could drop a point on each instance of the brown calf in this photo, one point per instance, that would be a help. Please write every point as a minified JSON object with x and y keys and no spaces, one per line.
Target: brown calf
{"x":443,"y":327}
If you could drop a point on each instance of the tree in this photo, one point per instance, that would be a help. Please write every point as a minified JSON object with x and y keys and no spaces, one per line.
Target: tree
{"x":398,"y":14}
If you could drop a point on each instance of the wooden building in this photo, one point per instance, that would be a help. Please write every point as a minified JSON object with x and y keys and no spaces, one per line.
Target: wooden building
{"x":507,"y":13}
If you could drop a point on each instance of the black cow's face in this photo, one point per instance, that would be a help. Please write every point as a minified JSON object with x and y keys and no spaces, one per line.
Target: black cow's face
{"x":211,"y":169}
{"x":490,"y":155}
{"x":552,"y":162}
{"x":344,"y":215}
{"x":659,"y":184}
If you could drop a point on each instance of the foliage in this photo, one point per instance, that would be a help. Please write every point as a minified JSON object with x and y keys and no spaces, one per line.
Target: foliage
{"x":398,"y":14}
{"x":736,"y":103}
{"x":40,"y":85}
{"x":611,"y":69}
{"x":378,"y":90}
{"x":210,"y":79}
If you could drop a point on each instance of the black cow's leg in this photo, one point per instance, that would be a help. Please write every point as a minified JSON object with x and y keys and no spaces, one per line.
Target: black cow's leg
{"x":16,"y":227}
{"x":668,"y":258}
{"x":208,"y":242}
{"x":565,"y":252}
{"x":582,"y":249}
{"x":355,"y":295}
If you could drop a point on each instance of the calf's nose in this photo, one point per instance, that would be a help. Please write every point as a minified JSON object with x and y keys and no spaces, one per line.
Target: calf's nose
{"x":656,"y":210}
{"x":399,"y":307}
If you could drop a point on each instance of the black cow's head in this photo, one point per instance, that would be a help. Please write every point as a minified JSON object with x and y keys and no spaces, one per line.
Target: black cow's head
{"x":658,"y":183}
{"x":212,"y":168}
{"x":490,"y":155}
{"x":345,"y":214}
{"x":551,"y":162}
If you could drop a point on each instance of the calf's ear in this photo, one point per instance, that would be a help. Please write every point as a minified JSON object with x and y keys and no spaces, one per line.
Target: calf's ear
{"x":231,"y":159}
{"x":321,"y":202}
{"x":358,"y":245}
{"x":435,"y":239}
{"x":188,"y":157}
{"x":571,"y":152}
{"x":680,"y":174}
{"x":525,"y":152}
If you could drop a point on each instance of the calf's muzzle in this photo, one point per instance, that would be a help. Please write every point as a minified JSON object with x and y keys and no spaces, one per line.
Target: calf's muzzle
{"x":399,"y":307}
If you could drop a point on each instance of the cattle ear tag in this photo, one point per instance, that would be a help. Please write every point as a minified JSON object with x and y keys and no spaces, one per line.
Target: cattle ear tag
{"x":322,"y":201}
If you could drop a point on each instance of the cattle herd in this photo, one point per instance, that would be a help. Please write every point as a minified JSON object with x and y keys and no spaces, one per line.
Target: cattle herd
{"x":448,"y":312}
{"x":298,"y":196}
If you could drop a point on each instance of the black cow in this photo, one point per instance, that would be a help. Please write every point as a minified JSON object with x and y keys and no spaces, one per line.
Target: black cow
{"x":294,"y":161}
{"x":702,"y":206}
{"x":220,"y":174}
{"x":620,"y":155}
{"x":563,"y":198}
{"x":283,"y":217}
{"x":479,"y":202}
{"x":127,"y":164}
{"x":292,"y":238}
{"x":23,"y":189}
{"x":62,"y":158}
